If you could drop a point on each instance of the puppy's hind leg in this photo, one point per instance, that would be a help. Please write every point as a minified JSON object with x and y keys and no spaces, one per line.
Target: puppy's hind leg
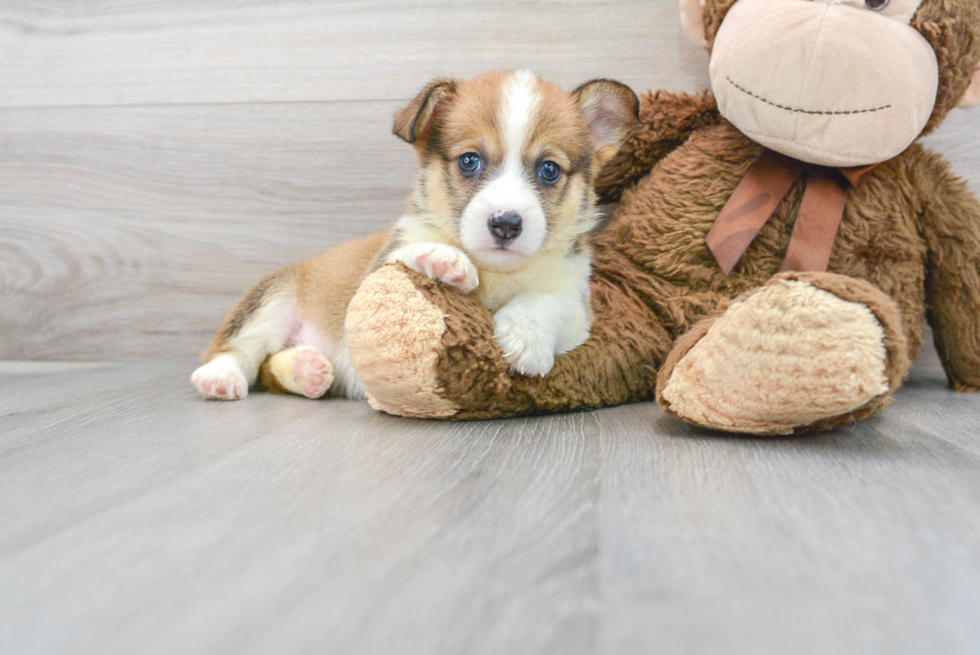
{"x":262,"y":322}
{"x":302,"y":370}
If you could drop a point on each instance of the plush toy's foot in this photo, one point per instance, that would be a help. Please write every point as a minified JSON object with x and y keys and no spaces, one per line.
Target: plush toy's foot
{"x":807,"y":351}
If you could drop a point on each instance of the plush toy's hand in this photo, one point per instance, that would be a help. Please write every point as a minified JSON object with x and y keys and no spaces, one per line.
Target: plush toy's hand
{"x":446,"y":264}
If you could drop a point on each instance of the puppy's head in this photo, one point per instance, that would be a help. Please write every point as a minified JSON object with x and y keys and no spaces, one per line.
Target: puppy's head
{"x":508,"y":161}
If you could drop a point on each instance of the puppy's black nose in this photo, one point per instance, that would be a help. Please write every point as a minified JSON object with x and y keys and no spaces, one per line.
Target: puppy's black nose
{"x":506,"y":227}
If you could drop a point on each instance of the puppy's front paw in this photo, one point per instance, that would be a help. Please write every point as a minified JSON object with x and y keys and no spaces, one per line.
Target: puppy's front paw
{"x":528,"y":348}
{"x":221,"y":379}
{"x":445,"y":264}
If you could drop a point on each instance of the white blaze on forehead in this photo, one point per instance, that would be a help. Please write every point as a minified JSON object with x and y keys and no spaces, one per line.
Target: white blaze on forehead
{"x":510,"y":188}
{"x":518,"y":111}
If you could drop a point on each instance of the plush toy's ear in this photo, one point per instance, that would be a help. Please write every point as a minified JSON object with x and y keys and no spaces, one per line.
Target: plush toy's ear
{"x":972,"y":97}
{"x":692,"y":21}
{"x":611,"y":110}
{"x":414,"y":121}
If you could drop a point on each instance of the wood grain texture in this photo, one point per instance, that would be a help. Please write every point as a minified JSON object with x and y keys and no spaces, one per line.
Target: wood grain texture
{"x":861,"y":540}
{"x":137,"y":518}
{"x":333,"y":528}
{"x":172,"y":153}
{"x":157,"y":157}
{"x":110,"y":52}
{"x":128,"y":232}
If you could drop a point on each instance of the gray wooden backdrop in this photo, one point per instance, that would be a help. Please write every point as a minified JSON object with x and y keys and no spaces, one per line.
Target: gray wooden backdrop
{"x":157,"y":156}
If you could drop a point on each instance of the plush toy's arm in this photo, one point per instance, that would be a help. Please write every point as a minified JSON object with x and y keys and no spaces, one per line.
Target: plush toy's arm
{"x":951,"y":227}
{"x":666,"y":121}
{"x":424,"y":350}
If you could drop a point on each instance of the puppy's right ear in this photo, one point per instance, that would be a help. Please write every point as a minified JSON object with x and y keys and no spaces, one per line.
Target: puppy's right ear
{"x":414,"y":121}
{"x":611,"y":109}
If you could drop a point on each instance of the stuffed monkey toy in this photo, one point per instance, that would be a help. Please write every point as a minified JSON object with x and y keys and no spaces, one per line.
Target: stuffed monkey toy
{"x":776,"y":245}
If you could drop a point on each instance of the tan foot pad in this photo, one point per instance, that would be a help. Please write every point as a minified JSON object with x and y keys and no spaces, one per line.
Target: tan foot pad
{"x":787,"y":356}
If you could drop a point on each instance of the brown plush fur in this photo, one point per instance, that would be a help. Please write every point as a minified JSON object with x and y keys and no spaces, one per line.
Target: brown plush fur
{"x":952,"y":28}
{"x":910,"y":235}
{"x":655,"y":278}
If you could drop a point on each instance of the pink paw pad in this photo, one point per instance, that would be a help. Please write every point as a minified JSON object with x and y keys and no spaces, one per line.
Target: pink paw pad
{"x":312,"y":372}
{"x":439,"y":267}
{"x":447,"y":264}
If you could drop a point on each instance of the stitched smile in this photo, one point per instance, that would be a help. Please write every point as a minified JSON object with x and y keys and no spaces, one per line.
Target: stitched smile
{"x":807,"y":111}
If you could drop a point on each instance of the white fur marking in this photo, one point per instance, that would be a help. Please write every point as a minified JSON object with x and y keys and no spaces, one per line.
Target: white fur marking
{"x":266,"y":331}
{"x":446,"y":264}
{"x":534,"y":327}
{"x":221,"y":379}
{"x":303,"y":370}
{"x":519,"y":110}
{"x":512,"y":188}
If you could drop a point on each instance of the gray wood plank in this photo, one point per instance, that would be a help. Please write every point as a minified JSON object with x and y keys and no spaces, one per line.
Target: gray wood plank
{"x":160,"y":523}
{"x":137,"y":518}
{"x":161,"y":52}
{"x":129,"y":232}
{"x":865,"y":539}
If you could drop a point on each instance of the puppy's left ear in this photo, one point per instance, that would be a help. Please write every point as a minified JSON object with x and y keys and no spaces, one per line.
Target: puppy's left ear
{"x":414,"y":121}
{"x":972,"y":97}
{"x":611,"y":109}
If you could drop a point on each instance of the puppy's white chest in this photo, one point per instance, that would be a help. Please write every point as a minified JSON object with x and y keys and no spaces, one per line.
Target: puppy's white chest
{"x":498,"y":289}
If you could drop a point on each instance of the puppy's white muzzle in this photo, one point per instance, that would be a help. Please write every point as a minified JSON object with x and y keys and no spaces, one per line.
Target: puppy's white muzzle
{"x":508,"y":194}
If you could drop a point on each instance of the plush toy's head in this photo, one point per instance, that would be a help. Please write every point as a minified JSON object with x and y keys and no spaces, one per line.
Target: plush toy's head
{"x":839,"y":82}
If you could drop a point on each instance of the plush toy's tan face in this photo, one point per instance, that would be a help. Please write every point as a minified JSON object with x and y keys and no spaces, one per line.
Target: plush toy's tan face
{"x":831,"y":82}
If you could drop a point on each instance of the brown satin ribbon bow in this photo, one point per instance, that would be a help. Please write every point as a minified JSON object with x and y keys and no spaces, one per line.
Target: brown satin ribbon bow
{"x":761,"y":191}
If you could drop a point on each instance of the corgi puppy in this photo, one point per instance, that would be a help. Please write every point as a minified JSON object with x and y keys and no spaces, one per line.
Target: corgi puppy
{"x":502,"y":208}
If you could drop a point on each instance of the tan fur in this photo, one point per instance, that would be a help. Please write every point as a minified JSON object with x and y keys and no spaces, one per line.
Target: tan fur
{"x":282,"y":282}
{"x":328,"y":281}
{"x":268,"y":379}
{"x":322,"y":287}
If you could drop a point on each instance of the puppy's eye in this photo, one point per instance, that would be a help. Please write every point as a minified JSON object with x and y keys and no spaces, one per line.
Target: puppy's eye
{"x":469,"y":164}
{"x":876,"y":5}
{"x":549,"y":172}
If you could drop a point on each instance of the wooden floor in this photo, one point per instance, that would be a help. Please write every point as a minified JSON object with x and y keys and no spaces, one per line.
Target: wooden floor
{"x":137,"y":518}
{"x":159,"y":156}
